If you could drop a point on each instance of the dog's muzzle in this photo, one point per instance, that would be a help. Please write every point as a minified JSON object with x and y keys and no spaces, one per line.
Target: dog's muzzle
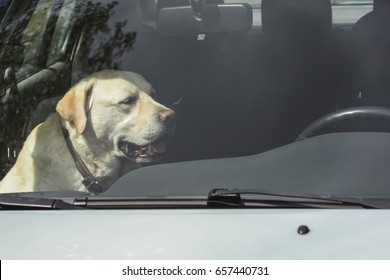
{"x":133,"y":151}
{"x":155,"y":150}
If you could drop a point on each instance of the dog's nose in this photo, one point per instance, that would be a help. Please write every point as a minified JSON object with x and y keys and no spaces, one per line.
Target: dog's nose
{"x":167,"y":117}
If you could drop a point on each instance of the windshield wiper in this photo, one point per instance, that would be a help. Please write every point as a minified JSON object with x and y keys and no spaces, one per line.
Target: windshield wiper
{"x":33,"y":203}
{"x":217,"y":198}
{"x":233,"y":198}
{"x":139,"y":203}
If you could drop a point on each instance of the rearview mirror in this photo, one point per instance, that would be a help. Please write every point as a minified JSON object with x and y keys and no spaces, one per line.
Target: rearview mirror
{"x":231,"y":18}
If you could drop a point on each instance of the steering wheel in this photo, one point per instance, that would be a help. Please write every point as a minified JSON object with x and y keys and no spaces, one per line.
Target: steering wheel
{"x":365,"y":118}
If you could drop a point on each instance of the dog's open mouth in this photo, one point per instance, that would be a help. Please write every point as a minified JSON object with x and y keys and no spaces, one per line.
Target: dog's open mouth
{"x":151,"y":151}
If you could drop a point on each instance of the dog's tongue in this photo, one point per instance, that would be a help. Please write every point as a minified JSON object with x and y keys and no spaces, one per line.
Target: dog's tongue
{"x":159,"y":147}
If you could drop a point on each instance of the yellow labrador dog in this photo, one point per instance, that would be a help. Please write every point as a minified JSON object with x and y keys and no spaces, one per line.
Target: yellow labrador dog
{"x":103,"y":119}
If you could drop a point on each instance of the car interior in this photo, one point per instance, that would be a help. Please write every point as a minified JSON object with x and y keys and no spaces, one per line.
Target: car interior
{"x":249,"y":79}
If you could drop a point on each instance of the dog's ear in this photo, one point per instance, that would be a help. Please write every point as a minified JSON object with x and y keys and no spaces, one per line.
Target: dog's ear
{"x":72,"y":107}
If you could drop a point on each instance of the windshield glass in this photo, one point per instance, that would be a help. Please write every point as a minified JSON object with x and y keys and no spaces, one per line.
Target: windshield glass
{"x":185,"y":95}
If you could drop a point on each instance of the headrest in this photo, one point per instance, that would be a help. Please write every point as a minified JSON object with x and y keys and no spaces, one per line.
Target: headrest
{"x":382,"y":5}
{"x":382,"y":11}
{"x":292,"y":21}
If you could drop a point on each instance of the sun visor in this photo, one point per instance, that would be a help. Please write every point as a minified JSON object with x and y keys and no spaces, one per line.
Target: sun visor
{"x":185,"y":20}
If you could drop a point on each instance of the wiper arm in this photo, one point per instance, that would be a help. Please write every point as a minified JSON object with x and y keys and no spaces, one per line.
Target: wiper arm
{"x":232,"y":198}
{"x":33,"y":203}
{"x":216,"y":198}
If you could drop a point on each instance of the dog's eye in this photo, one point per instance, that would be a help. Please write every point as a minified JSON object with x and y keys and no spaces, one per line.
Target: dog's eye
{"x":129,"y":101}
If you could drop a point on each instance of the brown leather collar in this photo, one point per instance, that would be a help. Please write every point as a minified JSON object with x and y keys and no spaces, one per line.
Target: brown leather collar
{"x":90,"y":182}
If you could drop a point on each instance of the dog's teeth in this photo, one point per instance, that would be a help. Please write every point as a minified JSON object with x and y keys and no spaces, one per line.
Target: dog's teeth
{"x":135,"y":151}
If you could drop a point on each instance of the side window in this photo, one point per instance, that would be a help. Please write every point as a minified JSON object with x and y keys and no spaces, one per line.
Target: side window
{"x":62,"y":30}
{"x":32,"y":38}
{"x":4,"y":4}
{"x":350,"y":11}
{"x":352,"y":2}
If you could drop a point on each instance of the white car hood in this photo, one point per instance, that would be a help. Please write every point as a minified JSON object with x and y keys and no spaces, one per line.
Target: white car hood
{"x":195,"y":234}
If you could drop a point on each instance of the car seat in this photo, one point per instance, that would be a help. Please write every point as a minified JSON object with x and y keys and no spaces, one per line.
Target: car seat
{"x":300,"y":60}
{"x":43,"y":110}
{"x":372,"y":43}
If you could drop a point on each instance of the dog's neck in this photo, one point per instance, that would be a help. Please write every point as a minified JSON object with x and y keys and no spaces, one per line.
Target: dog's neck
{"x":102,"y":163}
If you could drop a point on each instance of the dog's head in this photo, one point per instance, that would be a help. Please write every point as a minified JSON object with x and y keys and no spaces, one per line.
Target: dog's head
{"x":117,"y":108}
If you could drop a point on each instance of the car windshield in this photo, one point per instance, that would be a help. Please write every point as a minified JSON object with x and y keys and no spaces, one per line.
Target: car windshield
{"x":159,"y":98}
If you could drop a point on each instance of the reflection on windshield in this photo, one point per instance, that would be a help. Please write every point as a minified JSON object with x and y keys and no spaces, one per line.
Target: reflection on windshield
{"x":104,"y":43}
{"x":17,"y":117}
{"x":242,"y":78}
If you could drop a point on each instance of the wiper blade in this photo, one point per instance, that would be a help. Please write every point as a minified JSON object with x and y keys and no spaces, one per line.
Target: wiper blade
{"x":216,"y":198}
{"x":232,"y":198}
{"x":139,"y":203}
{"x":33,"y":203}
